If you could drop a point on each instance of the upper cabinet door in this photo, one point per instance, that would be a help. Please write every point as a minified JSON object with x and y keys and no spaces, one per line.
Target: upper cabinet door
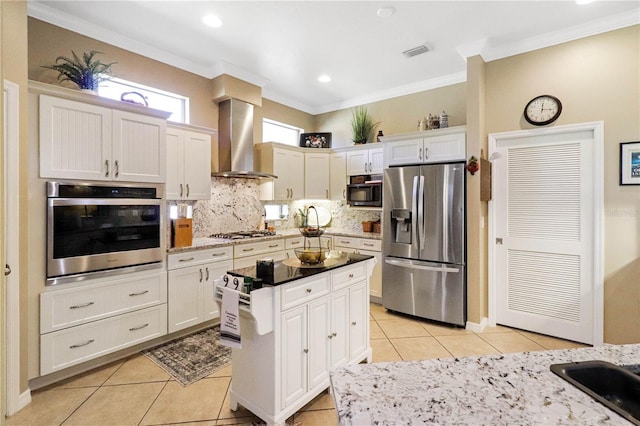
{"x":75,"y":140}
{"x":139,"y":147}
{"x":175,"y":164}
{"x":316,"y":175}
{"x":443,"y":148}
{"x":197,"y":166}
{"x":409,"y":151}
{"x":357,"y":162}
{"x":376,"y":160}
{"x":338,"y":178}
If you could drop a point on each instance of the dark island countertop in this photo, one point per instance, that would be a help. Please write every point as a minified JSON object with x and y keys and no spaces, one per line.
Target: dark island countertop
{"x":283,"y":273}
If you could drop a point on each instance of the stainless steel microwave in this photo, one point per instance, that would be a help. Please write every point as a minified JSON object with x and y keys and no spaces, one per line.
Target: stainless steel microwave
{"x":365,"y":194}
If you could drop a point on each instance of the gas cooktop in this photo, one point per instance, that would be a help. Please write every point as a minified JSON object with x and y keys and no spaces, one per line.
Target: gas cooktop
{"x":242,"y":235}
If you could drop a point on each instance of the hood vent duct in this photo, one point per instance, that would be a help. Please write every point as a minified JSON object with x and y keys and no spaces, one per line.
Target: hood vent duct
{"x":235,"y":141}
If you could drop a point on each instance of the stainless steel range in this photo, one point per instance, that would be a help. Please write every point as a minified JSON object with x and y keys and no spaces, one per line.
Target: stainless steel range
{"x":242,"y":235}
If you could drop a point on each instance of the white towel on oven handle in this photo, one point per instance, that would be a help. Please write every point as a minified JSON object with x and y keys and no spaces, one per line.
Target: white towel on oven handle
{"x":230,"y":319}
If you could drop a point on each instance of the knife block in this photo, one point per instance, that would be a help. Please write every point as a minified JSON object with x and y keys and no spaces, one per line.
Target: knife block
{"x":182,"y":232}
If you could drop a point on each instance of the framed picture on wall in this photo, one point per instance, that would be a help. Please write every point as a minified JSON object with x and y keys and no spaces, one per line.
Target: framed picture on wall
{"x":315,"y":140}
{"x":630,"y":163}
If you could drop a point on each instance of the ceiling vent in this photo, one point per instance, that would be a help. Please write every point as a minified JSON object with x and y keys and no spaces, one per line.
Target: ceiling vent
{"x":416,"y":51}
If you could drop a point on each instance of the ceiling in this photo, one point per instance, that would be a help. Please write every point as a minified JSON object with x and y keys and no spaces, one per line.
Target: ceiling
{"x":284,"y":46}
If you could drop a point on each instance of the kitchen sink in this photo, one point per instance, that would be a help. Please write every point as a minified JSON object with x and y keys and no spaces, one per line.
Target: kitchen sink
{"x":615,"y":387}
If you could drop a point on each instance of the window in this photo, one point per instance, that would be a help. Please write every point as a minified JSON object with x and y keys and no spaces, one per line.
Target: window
{"x":276,"y":211}
{"x":158,"y":99}
{"x":273,"y":131}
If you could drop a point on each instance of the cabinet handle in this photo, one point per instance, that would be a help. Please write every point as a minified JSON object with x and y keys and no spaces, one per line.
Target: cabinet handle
{"x":426,"y":153}
{"x":218,"y":254}
{"x":273,"y":246}
{"x":186,"y":260}
{"x":353,"y":323}
{"x":334,"y":334}
{"x":344,"y":242}
{"x":350,"y":276}
{"x":181,"y":191}
{"x":117,"y":168}
{"x":248,"y":249}
{"x":188,"y":190}
{"x":308,"y":290}
{"x":207,"y":269}
{"x":367,"y":244}
{"x":139,"y":294}
{"x":81,"y":306}
{"x":344,"y":194}
{"x":106,"y":162}
{"x":370,"y":167}
{"x":200,"y":274}
{"x":139,"y":327}
{"x":419,"y":153}
{"x":330,"y":336}
{"x":326,"y":191}
{"x":306,"y":351}
{"x":79,"y":345}
{"x":7,"y":269}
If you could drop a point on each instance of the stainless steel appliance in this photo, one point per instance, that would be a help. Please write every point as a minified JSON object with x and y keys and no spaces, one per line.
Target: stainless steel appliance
{"x":96,"y":227}
{"x":423,"y":269}
{"x":365,"y":191}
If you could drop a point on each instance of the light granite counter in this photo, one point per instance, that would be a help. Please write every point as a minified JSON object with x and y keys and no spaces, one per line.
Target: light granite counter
{"x":514,"y":389}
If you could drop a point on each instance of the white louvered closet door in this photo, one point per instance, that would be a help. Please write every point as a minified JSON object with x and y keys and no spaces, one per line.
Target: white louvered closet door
{"x":544,"y":227}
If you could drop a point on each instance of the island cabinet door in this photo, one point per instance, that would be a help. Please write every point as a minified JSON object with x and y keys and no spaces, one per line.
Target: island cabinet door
{"x":318,"y":357}
{"x":294,"y":356}
{"x":340,"y":328}
{"x":358,"y":299}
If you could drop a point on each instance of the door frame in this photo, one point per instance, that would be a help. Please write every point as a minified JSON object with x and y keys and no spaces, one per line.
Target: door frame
{"x":597,"y":127}
{"x":14,"y":400}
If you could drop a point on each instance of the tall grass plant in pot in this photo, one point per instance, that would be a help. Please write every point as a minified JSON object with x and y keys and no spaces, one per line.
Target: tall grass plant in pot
{"x":86,"y":71}
{"x":362,"y":125}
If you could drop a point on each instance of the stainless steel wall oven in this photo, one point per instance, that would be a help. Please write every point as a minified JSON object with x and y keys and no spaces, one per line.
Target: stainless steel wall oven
{"x":97,"y":227}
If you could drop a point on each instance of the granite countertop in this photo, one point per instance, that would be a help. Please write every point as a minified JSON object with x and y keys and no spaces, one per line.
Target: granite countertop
{"x":490,"y":390}
{"x":206,"y":243}
{"x":283,"y":273}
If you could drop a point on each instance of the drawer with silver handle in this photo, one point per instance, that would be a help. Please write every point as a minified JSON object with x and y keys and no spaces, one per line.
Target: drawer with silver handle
{"x":348,"y":275}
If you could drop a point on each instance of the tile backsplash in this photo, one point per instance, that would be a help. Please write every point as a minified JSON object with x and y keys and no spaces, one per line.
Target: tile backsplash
{"x":235,"y":206}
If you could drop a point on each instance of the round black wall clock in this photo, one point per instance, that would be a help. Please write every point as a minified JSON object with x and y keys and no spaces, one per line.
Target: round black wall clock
{"x":543,"y":110}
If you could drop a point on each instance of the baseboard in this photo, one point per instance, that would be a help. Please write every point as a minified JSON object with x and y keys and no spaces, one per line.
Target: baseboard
{"x":22,"y":401}
{"x":477,"y":328}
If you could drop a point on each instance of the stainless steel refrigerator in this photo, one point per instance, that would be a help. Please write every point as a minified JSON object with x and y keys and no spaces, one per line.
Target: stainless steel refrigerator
{"x":424,"y":249}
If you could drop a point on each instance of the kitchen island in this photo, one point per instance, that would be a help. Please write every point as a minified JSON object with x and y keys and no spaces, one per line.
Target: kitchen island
{"x":490,"y":390}
{"x":300,"y":324}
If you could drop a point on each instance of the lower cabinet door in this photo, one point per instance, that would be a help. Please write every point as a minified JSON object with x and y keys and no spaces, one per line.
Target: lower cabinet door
{"x":184,"y":294}
{"x":294,"y":355}
{"x":358,"y":299}
{"x":319,"y":356}
{"x":340,"y":328}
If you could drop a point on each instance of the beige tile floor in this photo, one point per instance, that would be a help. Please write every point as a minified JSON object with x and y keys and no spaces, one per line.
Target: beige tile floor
{"x":135,"y":391}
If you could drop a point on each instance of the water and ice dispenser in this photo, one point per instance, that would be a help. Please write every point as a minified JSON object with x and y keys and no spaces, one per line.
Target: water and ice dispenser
{"x":401,"y":226}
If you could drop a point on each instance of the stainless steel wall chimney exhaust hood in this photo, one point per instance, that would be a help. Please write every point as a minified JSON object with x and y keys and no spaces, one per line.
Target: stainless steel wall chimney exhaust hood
{"x":235,"y":141}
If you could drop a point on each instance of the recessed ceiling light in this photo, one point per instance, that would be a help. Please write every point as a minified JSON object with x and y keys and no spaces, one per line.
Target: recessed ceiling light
{"x":324,"y":78}
{"x":385,"y":12}
{"x":212,"y":21}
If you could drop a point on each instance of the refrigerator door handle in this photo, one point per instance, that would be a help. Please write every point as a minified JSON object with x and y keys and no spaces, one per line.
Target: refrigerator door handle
{"x":415,"y":265}
{"x":414,"y":212}
{"x":421,"y":212}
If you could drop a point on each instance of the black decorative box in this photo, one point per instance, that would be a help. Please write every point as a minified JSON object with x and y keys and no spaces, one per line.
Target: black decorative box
{"x":315,"y":140}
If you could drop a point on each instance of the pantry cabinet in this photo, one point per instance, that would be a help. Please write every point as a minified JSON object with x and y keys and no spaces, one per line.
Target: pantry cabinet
{"x":434,"y":146}
{"x":191,"y":285}
{"x":188,"y":165}
{"x":365,"y":161}
{"x":91,"y":142}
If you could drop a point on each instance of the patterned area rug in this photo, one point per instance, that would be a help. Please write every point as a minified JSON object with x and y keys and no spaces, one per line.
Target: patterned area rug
{"x":190,"y":358}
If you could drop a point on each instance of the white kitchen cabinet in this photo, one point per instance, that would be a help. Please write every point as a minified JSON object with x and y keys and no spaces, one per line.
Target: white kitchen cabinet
{"x":287,"y":164}
{"x":369,"y":247}
{"x":316,"y":175}
{"x":188,"y":165}
{"x":191,"y":285}
{"x":91,"y":142}
{"x":365,"y":161}
{"x":338,"y":177}
{"x":435,"y":146}
{"x":99,"y":316}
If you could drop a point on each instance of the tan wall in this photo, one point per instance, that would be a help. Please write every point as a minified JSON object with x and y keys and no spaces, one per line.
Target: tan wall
{"x":284,"y":114}
{"x":14,"y":68}
{"x":596,"y":78}
{"x":47,"y":42}
{"x":398,"y":115}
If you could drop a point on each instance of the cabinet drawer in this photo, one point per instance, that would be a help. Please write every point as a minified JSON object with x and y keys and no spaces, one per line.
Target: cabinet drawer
{"x":369,"y":244}
{"x":346,"y":242}
{"x":69,"y":307}
{"x":293,"y":242}
{"x":196,"y":257}
{"x":65,"y":348}
{"x":299,"y":292}
{"x":252,"y":249}
{"x":348,"y":275}
{"x":245,"y":262}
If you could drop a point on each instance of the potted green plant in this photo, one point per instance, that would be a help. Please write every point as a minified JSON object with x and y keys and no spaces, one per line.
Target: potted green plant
{"x":362,"y":125}
{"x":87,"y":72}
